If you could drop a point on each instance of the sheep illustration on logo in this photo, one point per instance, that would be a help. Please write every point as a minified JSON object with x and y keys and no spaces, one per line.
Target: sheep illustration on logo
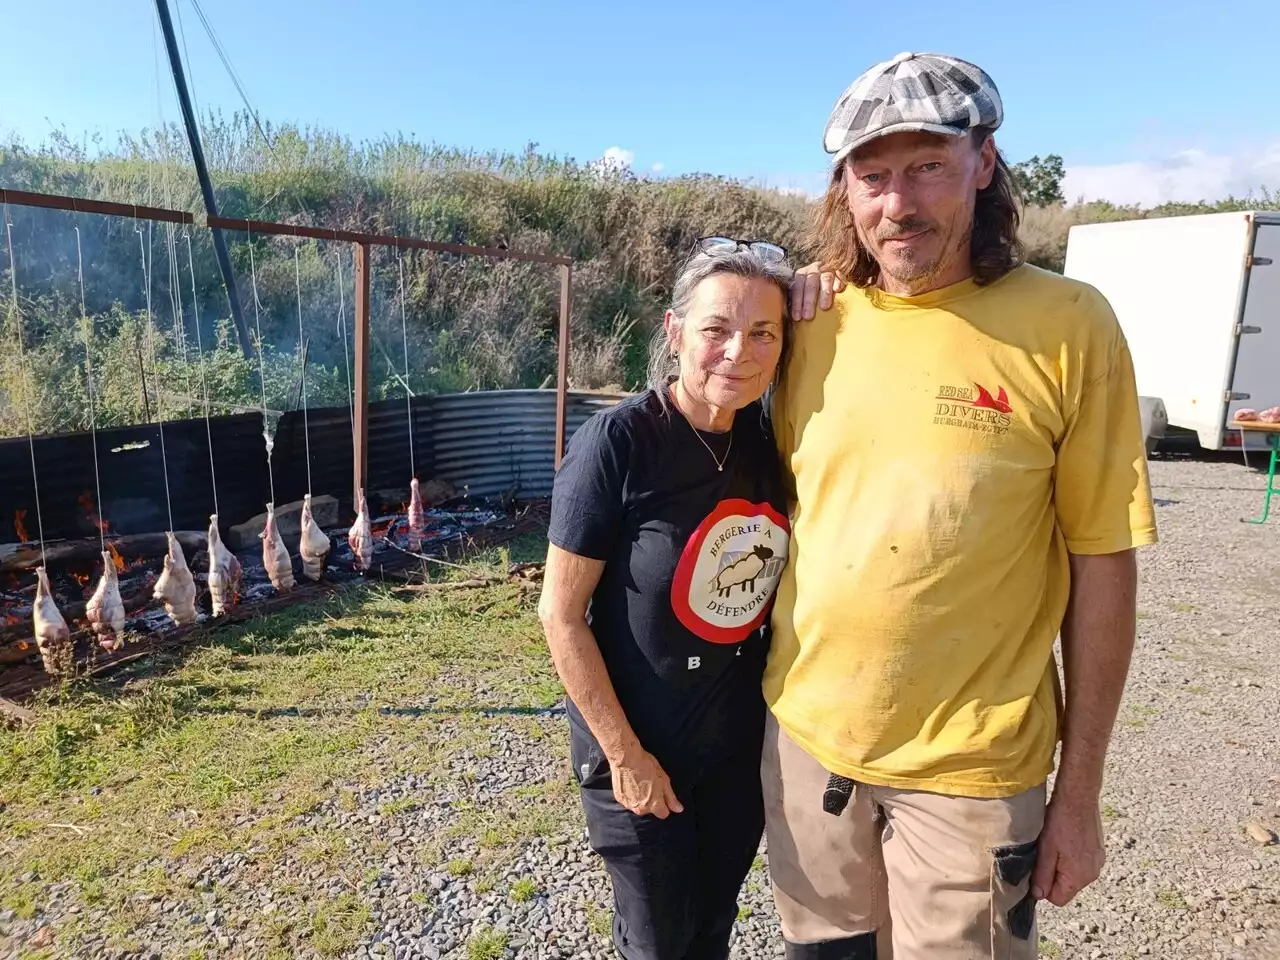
{"x":743,"y":571}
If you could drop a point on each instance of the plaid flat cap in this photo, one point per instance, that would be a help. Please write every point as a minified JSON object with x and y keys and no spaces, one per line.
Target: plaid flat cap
{"x":927,"y":92}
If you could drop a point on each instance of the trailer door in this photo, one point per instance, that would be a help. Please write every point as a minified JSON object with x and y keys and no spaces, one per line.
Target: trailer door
{"x":1257,"y":367}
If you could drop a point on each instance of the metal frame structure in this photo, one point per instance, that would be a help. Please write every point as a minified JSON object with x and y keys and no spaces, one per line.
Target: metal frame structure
{"x":363,"y":242}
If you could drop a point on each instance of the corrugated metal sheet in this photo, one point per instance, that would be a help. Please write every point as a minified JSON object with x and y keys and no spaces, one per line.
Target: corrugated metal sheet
{"x":496,"y":441}
{"x":331,"y":457}
{"x":133,"y":479}
{"x":485,"y":443}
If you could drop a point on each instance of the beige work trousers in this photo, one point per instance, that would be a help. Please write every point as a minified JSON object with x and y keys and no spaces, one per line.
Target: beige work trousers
{"x":903,"y":874}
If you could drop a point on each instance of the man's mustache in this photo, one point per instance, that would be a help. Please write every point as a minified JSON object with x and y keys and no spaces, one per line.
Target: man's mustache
{"x":903,"y":228}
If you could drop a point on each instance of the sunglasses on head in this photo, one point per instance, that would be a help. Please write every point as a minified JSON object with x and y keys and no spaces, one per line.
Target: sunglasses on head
{"x":714,"y":246}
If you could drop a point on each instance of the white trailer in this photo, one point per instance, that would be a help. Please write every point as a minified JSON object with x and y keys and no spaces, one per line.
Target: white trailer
{"x":1198,"y":299}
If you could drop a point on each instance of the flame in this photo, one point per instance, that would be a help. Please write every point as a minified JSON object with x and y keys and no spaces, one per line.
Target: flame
{"x":20,"y":526}
{"x":24,"y":645}
{"x":86,"y":504}
{"x":116,"y":558}
{"x":12,"y":619}
{"x":81,"y":578}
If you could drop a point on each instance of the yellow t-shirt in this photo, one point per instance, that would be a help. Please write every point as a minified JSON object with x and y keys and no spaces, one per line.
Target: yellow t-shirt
{"x":948,"y":451}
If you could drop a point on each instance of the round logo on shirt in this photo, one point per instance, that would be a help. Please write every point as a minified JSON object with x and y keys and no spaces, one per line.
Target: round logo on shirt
{"x":729,"y":569}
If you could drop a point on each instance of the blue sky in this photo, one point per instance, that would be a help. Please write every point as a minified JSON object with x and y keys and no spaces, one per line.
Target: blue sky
{"x":1147,"y":100}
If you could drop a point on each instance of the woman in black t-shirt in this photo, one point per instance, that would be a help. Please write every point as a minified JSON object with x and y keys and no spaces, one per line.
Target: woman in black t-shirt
{"x":668,"y":537}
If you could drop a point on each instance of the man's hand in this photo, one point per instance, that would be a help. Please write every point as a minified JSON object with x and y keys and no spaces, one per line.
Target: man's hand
{"x":642,"y":786}
{"x":813,"y":290}
{"x":1071,"y":851}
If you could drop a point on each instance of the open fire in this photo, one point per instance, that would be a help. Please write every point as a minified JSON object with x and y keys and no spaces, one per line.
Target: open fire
{"x":86,"y":504}
{"x":19,"y":527}
{"x":74,"y":568}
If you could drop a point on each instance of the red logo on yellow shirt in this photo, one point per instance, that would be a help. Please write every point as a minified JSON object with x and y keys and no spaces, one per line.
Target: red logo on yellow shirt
{"x":729,"y":569}
{"x":974,"y":409}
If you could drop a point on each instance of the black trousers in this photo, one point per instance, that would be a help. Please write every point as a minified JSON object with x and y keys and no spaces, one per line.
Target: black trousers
{"x":675,"y":881}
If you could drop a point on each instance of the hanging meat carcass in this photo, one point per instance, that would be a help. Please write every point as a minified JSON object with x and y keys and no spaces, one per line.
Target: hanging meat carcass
{"x":225,"y":572}
{"x":105,"y":610}
{"x":176,"y":587}
{"x":417,"y":516}
{"x":314,"y":544}
{"x":360,"y":536}
{"x":52,"y":635}
{"x":275,"y":556}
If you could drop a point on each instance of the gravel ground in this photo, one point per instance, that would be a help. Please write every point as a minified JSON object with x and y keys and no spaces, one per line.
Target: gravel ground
{"x":1195,"y":756}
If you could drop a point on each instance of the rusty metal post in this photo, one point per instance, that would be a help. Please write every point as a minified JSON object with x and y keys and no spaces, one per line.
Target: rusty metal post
{"x":360,"y":429}
{"x":562,"y":371}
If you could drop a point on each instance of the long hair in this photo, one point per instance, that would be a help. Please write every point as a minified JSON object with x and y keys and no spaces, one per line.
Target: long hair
{"x":994,"y":245}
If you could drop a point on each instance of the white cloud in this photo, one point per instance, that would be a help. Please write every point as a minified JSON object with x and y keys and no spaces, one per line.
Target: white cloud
{"x":618,"y":158}
{"x":1188,"y":175}
{"x":656,"y":168}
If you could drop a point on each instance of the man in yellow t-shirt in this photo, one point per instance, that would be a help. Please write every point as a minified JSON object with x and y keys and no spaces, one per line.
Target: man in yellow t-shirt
{"x":969,"y":480}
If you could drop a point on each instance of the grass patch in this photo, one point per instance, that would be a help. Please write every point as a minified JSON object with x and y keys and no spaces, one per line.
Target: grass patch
{"x":757,"y":865}
{"x":486,"y":944}
{"x":222,"y":748}
{"x":599,"y":922}
{"x":1109,"y":812}
{"x":337,"y":925}
{"x":461,"y":867}
{"x":484,"y":885}
{"x":403,"y":805}
{"x":744,"y":913}
{"x":1184,"y":608}
{"x":1195,"y":688}
{"x":21,"y":903}
{"x":524,"y":890}
{"x":1171,"y":898}
{"x":1047,"y":948}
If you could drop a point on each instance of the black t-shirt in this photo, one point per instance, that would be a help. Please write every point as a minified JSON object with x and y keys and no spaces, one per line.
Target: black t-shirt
{"x":693,"y":555}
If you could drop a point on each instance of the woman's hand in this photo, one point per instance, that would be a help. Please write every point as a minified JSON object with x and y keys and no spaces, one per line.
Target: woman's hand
{"x":813,"y":289}
{"x":642,"y":786}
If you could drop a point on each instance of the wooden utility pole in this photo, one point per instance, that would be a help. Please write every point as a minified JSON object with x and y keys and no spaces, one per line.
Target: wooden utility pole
{"x":562,"y":360}
{"x":360,"y":429}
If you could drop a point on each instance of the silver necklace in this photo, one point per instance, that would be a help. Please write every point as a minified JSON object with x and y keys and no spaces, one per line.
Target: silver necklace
{"x":720,"y":461}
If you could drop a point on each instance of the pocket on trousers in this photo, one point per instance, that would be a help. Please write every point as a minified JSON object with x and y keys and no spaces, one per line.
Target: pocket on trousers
{"x":1013,"y":910}
{"x":590,"y":767}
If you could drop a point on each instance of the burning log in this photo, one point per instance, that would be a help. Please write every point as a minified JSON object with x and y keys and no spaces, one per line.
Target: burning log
{"x":17,"y":639}
{"x":25,"y":557}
